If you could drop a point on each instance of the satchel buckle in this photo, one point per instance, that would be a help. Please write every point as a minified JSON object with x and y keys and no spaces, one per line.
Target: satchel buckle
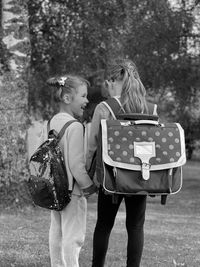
{"x":146,"y":170}
{"x":145,"y":151}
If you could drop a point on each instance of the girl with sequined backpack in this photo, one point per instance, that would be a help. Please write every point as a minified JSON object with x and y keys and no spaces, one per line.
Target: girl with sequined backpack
{"x":68,"y":225}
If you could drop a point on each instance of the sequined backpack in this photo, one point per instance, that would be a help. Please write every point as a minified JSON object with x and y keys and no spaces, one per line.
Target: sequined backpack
{"x":48,"y":183}
{"x":139,"y":155}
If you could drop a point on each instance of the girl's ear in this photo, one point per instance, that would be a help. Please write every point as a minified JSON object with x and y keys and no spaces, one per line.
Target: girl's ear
{"x":67,"y":98}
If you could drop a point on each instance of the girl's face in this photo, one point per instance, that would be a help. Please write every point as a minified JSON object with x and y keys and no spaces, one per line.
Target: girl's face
{"x":79,"y":101}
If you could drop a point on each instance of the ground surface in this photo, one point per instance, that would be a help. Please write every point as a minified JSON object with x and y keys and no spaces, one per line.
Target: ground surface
{"x":172,"y":232}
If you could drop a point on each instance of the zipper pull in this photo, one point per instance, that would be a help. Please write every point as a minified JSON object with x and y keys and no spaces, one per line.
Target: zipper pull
{"x":114,"y":171}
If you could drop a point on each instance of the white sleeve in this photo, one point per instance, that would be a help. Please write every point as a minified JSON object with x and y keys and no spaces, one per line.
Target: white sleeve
{"x":75,"y":155}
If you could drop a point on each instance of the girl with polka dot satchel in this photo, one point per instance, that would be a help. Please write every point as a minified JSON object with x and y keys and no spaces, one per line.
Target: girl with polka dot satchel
{"x":139,"y":155}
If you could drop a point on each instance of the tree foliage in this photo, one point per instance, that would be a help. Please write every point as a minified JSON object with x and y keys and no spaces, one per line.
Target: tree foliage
{"x":81,"y":37}
{"x":163,"y":40}
{"x":72,"y":36}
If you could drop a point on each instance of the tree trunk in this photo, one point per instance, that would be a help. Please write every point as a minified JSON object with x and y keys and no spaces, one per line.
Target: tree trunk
{"x":13,"y":97}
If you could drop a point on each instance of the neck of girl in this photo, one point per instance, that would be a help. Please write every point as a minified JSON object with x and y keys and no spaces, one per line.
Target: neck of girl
{"x":64,"y":108}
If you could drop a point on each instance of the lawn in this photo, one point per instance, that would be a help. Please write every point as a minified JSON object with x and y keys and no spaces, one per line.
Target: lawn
{"x":172,"y":232}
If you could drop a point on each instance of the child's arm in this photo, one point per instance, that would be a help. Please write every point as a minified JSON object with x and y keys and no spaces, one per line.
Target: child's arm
{"x":100,"y":112}
{"x":76,"y":160}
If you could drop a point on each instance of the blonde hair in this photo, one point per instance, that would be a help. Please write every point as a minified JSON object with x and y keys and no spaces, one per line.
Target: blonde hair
{"x":66,"y":84}
{"x":133,"y":91}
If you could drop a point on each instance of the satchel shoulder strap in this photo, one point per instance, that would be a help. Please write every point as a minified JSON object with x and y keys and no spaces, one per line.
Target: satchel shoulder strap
{"x":152,"y":108}
{"x":114,"y":106}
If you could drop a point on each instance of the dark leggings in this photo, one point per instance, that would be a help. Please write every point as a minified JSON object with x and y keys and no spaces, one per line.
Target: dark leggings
{"x":135,"y":217}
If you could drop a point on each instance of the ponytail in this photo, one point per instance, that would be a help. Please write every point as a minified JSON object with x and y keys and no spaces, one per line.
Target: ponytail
{"x":58,"y":83}
{"x":133,"y":91}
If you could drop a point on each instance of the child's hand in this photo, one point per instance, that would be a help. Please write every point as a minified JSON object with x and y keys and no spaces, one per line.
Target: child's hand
{"x":90,"y":190}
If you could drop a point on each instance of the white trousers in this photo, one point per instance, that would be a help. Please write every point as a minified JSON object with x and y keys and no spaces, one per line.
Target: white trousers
{"x":67,"y":233}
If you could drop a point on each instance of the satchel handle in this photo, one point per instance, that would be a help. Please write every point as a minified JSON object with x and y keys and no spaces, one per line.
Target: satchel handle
{"x":147,"y":122}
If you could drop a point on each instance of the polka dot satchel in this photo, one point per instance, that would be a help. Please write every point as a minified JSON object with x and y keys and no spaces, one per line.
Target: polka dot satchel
{"x":139,"y":155}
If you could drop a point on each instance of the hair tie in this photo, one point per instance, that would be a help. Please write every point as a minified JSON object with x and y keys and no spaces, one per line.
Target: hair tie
{"x":57,"y":81}
{"x":133,"y":71}
{"x":61,"y":80}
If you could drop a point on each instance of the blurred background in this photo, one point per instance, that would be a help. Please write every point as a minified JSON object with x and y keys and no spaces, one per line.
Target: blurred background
{"x":42,"y":38}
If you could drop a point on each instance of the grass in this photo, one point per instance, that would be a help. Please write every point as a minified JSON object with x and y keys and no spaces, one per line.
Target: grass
{"x":172,"y":236}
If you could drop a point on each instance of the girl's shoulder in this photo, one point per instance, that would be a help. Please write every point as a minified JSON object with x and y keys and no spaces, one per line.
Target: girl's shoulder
{"x":60,"y":119}
{"x":101,"y":110}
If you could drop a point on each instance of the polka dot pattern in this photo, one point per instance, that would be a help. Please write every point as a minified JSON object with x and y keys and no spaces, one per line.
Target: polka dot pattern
{"x":120,"y":142}
{"x":157,"y":133}
{"x":125,"y":153}
{"x":116,"y":133}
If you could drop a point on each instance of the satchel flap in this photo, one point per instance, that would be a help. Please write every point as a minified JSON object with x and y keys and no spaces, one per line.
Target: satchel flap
{"x":119,"y":138}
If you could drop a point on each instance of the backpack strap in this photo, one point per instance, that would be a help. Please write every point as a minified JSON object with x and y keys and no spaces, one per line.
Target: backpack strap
{"x":62,"y":131}
{"x":152,"y":108}
{"x":155,"y":110}
{"x":114,"y":106}
{"x":48,"y":126}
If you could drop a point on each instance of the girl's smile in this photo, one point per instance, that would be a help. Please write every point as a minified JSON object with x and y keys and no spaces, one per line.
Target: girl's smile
{"x":79,"y":101}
